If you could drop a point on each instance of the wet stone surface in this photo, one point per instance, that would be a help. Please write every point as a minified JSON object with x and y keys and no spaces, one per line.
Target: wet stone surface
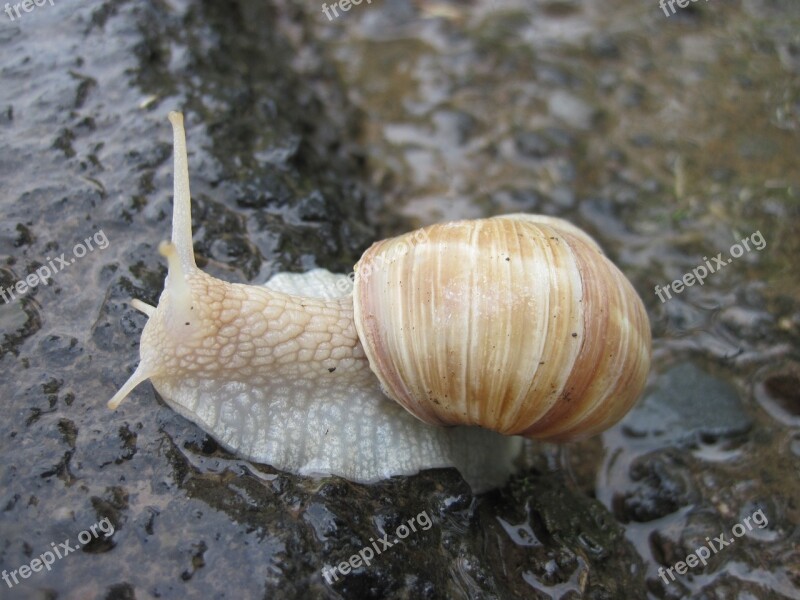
{"x":669,"y":139}
{"x":687,"y":405}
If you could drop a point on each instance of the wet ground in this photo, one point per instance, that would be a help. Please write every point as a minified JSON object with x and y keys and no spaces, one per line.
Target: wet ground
{"x":671,"y":139}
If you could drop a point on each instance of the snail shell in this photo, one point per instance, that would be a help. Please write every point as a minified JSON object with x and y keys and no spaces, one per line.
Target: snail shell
{"x":519,"y":324}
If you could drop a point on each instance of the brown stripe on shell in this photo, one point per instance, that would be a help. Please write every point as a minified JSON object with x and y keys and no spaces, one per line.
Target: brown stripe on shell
{"x":612,"y":366}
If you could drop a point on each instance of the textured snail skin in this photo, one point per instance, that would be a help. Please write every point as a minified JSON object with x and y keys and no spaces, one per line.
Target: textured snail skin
{"x":277,"y":373}
{"x":517,"y":323}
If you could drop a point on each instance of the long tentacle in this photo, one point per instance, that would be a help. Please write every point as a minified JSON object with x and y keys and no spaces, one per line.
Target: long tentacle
{"x":182,"y":207}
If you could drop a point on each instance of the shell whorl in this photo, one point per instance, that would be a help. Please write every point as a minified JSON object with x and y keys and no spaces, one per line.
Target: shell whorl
{"x":518,"y":324}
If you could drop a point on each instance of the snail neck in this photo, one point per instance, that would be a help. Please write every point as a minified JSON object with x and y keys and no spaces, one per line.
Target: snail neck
{"x":299,"y":336}
{"x":254,"y":335}
{"x":206,"y":330}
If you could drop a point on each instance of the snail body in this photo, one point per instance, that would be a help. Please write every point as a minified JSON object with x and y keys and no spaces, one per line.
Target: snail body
{"x":486,"y":331}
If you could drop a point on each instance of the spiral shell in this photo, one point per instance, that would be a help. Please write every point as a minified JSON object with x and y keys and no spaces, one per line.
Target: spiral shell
{"x":518,"y":324}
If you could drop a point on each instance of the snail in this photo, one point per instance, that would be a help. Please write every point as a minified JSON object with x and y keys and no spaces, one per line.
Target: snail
{"x":457,"y":341}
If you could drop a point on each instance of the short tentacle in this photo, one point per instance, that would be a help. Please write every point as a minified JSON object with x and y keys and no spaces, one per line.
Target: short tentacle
{"x":139,"y":375}
{"x":143,"y":307}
